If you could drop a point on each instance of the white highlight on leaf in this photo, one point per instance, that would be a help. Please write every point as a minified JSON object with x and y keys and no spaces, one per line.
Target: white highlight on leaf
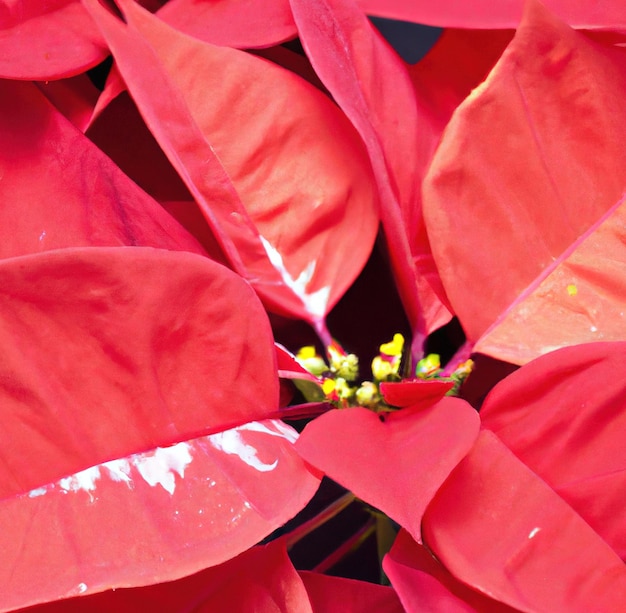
{"x":83,"y":480}
{"x":315,"y":302}
{"x":282,"y":430}
{"x":119,"y":470}
{"x":533,"y":532}
{"x":231,"y":441}
{"x":160,"y":466}
{"x":157,"y":467}
{"x":40,"y":491}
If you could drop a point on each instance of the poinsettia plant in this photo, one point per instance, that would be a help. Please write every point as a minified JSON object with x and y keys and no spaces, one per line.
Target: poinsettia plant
{"x":262,"y":270}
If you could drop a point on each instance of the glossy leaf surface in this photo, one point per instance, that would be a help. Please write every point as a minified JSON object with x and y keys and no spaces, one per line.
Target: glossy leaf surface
{"x":256,"y":163}
{"x":397,"y":464}
{"x":123,"y":375}
{"x":563,"y":416}
{"x":515,"y":539}
{"x":528,"y":168}
{"x":370,"y":83}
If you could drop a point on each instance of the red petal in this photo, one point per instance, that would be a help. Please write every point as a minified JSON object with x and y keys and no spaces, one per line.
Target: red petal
{"x":396,"y":465}
{"x":563,"y":416}
{"x":75,"y":195}
{"x":500,"y":529}
{"x":419,"y":393}
{"x":283,"y":161}
{"x":371,"y":85}
{"x":75,"y":98}
{"x":110,"y":357}
{"x":262,"y":579}
{"x":425,"y":586}
{"x":245,"y":24}
{"x":500,"y":210}
{"x":50,"y":40}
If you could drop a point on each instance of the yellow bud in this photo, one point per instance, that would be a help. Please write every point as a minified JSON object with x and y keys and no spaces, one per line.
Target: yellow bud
{"x":308,"y":358}
{"x":343,"y":390}
{"x":367,"y":394}
{"x":328,"y":386}
{"x":381,"y":369}
{"x":394,"y":347}
{"x":428,"y":366}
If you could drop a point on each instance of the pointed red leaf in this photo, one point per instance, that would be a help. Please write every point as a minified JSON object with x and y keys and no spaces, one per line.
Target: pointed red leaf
{"x":505,"y":212}
{"x":58,"y":190}
{"x":371,"y":84}
{"x":425,"y":586}
{"x":397,"y":464}
{"x":256,"y":162}
{"x":500,"y":529}
{"x":563,"y":416}
{"x":602,"y":14}
{"x":122,"y":370}
{"x":47,"y":40}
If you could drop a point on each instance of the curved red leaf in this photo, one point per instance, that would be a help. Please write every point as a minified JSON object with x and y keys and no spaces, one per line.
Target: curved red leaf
{"x":152,"y":517}
{"x":500,"y":529}
{"x":47,"y":40}
{"x":398,"y":464}
{"x":245,"y":24}
{"x":277,"y":161}
{"x":500,"y":211}
{"x":122,"y":370}
{"x":563,"y":416}
{"x":261,"y":579}
{"x":371,"y":85}
{"x":58,"y":190}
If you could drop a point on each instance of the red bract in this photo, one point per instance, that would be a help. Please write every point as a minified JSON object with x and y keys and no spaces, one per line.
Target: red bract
{"x":58,"y":190}
{"x":500,"y":529}
{"x":47,"y":40}
{"x":261,"y":580}
{"x":396,"y":464}
{"x":425,"y":586}
{"x":418,"y":393}
{"x":256,"y":163}
{"x":523,"y":198}
{"x":371,"y":85}
{"x":127,"y":386}
{"x":245,"y":24}
{"x":563,"y":416}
